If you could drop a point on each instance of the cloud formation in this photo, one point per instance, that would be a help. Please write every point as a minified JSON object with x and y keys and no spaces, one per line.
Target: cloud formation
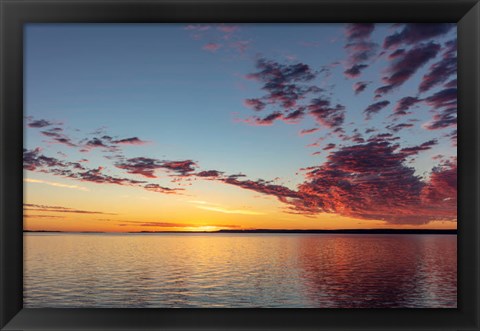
{"x":368,"y":181}
{"x":413,"y":33}
{"x":129,"y":141}
{"x":308,"y":131}
{"x":404,"y":66}
{"x":146,"y":167}
{"x":371,"y":181}
{"x":444,"y":104}
{"x":359,"y":48}
{"x":327,"y":114}
{"x":359,"y":87}
{"x":375,"y":108}
{"x":442,"y":70}
{"x":60,"y":209}
{"x":404,"y":104}
{"x":288,"y":90}
{"x":33,"y":160}
{"x":398,"y":127}
{"x":161,"y":189}
{"x":39,"y":123}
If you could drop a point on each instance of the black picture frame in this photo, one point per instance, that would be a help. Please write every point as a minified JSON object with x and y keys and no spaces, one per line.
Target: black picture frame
{"x":15,"y":13}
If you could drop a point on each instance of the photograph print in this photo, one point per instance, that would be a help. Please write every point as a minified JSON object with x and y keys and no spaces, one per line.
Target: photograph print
{"x":240,"y":165}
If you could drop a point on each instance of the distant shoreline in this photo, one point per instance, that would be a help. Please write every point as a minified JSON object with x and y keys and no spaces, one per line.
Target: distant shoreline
{"x":279,"y":231}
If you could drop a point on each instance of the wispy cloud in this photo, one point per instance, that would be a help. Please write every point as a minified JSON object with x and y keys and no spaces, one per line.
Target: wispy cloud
{"x":56,"y":184}
{"x":413,"y":33}
{"x":60,"y":209}
{"x":359,"y":48}
{"x":405,"y":66}
{"x":212,"y":47}
{"x":230,"y":211}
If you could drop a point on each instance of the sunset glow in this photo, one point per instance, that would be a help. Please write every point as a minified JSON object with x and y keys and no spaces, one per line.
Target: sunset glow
{"x":204,"y":127}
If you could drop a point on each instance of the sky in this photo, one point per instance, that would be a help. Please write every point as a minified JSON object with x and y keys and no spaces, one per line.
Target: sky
{"x":201,"y":127}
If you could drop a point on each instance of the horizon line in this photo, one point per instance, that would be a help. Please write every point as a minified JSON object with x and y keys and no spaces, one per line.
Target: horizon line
{"x":346,"y":231}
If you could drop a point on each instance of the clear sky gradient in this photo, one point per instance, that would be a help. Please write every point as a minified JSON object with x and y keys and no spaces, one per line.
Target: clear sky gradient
{"x":158,"y":127}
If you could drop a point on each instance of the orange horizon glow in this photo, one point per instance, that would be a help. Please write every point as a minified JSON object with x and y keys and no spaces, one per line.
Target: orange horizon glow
{"x":89,"y":207}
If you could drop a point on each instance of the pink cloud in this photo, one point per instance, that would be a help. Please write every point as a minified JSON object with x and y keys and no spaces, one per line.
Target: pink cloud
{"x":212,"y":47}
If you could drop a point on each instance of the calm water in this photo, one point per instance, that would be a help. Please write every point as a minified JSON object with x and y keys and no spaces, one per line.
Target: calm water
{"x":240,"y":270}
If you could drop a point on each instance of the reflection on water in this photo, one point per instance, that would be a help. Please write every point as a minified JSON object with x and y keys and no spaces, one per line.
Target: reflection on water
{"x":240,"y":270}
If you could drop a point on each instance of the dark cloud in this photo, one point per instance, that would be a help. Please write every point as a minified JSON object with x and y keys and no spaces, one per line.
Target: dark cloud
{"x":413,"y":33}
{"x":290,"y":91}
{"x":274,"y":74}
{"x":444,"y":104}
{"x":444,"y":119}
{"x":295,"y":115}
{"x":355,"y":70}
{"x":452,"y":83}
{"x":403,"y":67}
{"x":209,"y":173}
{"x":326,"y":114}
{"x":356,"y":138}
{"x":308,"y":131}
{"x":404,"y":104}
{"x":146,"y":167}
{"x":383,"y":90}
{"x":262,"y":186}
{"x":417,"y":149}
{"x":329,"y":147}
{"x":95,"y":143}
{"x":39,"y":123}
{"x":438,"y":74}
{"x":58,"y":137}
{"x":382,"y":137}
{"x":453,"y":137}
{"x":33,"y":160}
{"x":65,"y":141}
{"x":370,"y":181}
{"x":356,"y":31}
{"x":442,"y":70}
{"x":255,"y":104}
{"x":143,"y":166}
{"x":440,"y":192}
{"x":161,"y":189}
{"x":130,"y":141}
{"x":96,"y":176}
{"x":398,"y":127}
{"x":444,"y":98}
{"x":359,"y":87}
{"x":180,"y":167}
{"x":286,"y":85}
{"x":264,"y":121}
{"x":396,"y":53}
{"x":359,"y":49}
{"x":375,"y":108}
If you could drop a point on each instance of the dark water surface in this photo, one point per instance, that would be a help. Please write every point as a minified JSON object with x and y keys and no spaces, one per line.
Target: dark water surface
{"x":240,"y":270}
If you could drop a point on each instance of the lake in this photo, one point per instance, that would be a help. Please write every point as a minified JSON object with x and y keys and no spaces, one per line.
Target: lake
{"x":240,"y":270}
